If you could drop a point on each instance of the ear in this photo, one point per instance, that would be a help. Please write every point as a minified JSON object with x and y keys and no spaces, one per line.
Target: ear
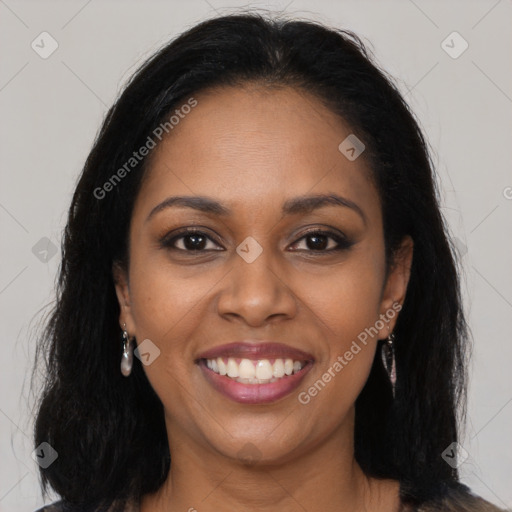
{"x":120,"y":276}
{"x":395,"y":288}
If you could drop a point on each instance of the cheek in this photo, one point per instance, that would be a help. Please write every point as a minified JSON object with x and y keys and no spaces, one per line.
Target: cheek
{"x":166,"y":310}
{"x":162,"y":300}
{"x":346,"y":307}
{"x":347,"y":303}
{"x":347,"y":298}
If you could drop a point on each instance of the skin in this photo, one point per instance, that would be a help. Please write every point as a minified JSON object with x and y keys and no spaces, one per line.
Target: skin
{"x":251,"y":149}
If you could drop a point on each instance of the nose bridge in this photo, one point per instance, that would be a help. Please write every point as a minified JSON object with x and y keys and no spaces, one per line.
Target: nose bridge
{"x":255,"y":291}
{"x":254,"y":268}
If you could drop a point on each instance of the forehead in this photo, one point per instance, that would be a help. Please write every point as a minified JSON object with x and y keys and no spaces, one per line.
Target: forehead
{"x":253,"y":146}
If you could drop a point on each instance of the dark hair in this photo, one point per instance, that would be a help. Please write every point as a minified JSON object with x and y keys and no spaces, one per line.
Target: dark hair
{"x":109,"y":431}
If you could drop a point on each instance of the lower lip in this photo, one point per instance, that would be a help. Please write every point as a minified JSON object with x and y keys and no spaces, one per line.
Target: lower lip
{"x":254,"y":393}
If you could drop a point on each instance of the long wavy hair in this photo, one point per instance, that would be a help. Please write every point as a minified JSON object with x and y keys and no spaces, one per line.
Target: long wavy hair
{"x":109,"y":431}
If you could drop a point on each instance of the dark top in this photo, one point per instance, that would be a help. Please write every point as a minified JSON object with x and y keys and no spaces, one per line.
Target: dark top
{"x":62,"y":506}
{"x":461,"y":500}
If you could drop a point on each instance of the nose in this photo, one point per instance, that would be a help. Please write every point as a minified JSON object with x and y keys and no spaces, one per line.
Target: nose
{"x":256,"y":293}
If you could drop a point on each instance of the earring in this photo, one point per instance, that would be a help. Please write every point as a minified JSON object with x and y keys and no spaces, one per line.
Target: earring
{"x":127,"y":357}
{"x":388,"y":358}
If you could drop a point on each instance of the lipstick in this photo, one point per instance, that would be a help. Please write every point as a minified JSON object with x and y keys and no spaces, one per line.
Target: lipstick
{"x":255,"y":372}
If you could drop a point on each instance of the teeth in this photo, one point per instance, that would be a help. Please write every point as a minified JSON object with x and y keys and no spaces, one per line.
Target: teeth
{"x":255,"y":381}
{"x":246,"y":369}
{"x":221,"y":366}
{"x":232,"y":368}
{"x":264,"y":369}
{"x":278,"y":368}
{"x":260,"y":371}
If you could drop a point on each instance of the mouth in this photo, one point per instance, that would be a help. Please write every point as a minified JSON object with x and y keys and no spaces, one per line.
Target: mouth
{"x":260,"y":371}
{"x":267,"y":373}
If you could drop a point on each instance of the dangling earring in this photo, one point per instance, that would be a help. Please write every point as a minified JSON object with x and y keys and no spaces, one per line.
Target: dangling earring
{"x":388,"y":358}
{"x":127,"y":357}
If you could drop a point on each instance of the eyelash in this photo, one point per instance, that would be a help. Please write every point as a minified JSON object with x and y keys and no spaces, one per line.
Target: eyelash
{"x":342,"y":242}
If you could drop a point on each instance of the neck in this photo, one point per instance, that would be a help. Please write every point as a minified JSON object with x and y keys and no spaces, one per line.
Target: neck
{"x":322,"y":477}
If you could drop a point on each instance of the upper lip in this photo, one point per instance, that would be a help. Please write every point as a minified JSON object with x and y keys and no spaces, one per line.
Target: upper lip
{"x":256,"y":350}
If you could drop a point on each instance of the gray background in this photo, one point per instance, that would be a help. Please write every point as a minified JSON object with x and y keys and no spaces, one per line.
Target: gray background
{"x":52,"y":108}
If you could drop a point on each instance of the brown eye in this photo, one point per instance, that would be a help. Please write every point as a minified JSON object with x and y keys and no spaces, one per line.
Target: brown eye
{"x":324,"y":241}
{"x":317,"y":242}
{"x":194,"y":242}
{"x":189,"y":241}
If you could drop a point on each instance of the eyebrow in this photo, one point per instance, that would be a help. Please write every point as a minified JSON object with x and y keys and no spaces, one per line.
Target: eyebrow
{"x":295,"y":206}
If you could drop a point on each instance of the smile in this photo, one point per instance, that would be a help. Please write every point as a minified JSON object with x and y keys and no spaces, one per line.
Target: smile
{"x":259,"y":381}
{"x":260,"y":371}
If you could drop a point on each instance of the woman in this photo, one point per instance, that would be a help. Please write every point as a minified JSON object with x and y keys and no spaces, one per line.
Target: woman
{"x":258,"y":304}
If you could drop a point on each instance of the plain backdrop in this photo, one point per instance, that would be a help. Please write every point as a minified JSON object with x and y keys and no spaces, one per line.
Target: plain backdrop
{"x":51,"y":109}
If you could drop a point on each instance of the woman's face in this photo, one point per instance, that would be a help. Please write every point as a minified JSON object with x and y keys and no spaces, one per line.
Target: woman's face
{"x":259,"y":271}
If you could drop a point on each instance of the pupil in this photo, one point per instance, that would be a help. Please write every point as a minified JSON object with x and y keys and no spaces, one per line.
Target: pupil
{"x":321,"y":242}
{"x":197,"y":242}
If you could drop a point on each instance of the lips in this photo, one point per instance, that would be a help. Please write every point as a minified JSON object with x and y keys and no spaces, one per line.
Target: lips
{"x":256,"y":350}
{"x":268,"y":381}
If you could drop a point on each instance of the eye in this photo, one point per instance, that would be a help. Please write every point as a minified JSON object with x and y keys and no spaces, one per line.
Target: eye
{"x":323,"y":241}
{"x":196,"y":241}
{"x":189,"y":240}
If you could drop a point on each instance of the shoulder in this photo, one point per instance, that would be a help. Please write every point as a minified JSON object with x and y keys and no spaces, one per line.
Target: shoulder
{"x":459,"y":500}
{"x":58,"y":506}
{"x":63,"y":506}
